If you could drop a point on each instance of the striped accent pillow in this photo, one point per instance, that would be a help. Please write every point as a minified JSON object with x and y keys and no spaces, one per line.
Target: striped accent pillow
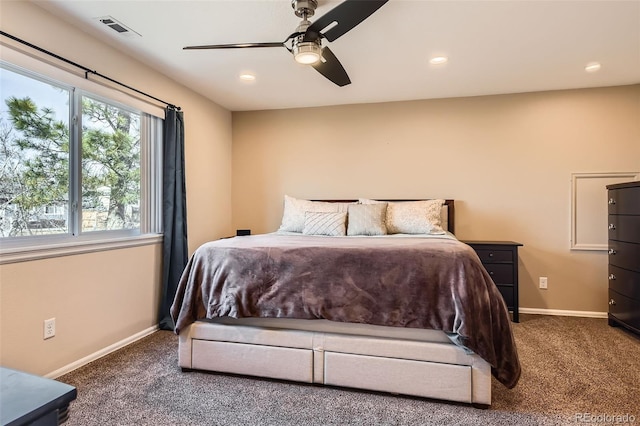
{"x":332,"y":224}
{"x":294,"y":210}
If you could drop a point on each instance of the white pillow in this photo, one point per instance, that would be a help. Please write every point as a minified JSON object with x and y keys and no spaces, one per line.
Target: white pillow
{"x":332,"y":224}
{"x":294,"y":210}
{"x":367,"y":219}
{"x":413,"y":217}
{"x":444,"y":217}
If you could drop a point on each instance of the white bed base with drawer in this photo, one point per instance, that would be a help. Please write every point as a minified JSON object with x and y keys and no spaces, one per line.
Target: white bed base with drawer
{"x":414,"y":362}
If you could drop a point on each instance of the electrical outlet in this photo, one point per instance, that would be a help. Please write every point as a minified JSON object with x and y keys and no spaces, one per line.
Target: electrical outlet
{"x":49,"y":328}
{"x":543,"y":282}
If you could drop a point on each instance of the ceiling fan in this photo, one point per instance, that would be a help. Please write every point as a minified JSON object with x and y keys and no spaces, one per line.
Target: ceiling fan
{"x":306,"y":42}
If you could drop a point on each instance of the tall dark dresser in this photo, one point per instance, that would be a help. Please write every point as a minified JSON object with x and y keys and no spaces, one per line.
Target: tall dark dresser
{"x":624,"y":255}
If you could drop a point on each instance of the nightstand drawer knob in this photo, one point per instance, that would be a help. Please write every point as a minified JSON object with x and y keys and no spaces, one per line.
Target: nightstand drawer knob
{"x":612,"y":251}
{"x":490,"y":254}
{"x":490,"y":272}
{"x":612,"y":277}
{"x":612,"y":201}
{"x":612,"y":226}
{"x":612,"y":302}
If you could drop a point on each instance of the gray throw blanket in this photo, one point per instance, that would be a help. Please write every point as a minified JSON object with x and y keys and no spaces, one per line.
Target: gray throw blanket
{"x":433,"y":283}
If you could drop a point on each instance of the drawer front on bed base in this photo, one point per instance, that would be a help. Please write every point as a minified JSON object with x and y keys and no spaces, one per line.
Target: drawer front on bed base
{"x":417,"y":378}
{"x":254,"y":360}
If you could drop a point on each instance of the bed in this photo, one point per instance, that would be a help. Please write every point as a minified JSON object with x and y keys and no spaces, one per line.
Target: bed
{"x":349,"y":304}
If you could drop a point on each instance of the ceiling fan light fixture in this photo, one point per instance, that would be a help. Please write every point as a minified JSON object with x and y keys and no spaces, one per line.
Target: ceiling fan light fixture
{"x":306,"y":41}
{"x":307,"y":53}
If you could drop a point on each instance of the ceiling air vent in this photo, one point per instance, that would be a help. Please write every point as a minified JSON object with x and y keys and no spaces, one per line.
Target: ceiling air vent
{"x":117,"y":26}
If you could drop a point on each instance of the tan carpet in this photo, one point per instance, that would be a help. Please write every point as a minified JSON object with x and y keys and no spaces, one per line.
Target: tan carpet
{"x":575,"y":371}
{"x":573,"y":365}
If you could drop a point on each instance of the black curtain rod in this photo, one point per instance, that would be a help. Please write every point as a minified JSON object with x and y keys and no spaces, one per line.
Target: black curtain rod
{"x":86,"y":70}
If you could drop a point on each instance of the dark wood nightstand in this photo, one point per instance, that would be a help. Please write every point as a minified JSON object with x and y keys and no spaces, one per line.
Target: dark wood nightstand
{"x":500,"y":259}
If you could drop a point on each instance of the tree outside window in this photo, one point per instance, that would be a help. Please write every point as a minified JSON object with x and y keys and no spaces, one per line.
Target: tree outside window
{"x":110,"y":167}
{"x":38,"y":184}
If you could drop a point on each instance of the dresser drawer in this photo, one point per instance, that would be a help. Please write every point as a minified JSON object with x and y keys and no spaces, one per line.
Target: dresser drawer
{"x":497,"y":256}
{"x":624,"y":282}
{"x":624,"y":309}
{"x":624,"y":255}
{"x":624,"y":228}
{"x":500,"y":273}
{"x":624,"y":201}
{"x":507,"y":295}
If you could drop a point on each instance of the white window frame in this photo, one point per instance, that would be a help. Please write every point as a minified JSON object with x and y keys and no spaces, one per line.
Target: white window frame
{"x":20,"y":249}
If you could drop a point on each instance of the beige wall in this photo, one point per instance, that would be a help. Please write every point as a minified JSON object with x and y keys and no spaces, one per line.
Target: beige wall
{"x":99,"y":299}
{"x":506,"y":159}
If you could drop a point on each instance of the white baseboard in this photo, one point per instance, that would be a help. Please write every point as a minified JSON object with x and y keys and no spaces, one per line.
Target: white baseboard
{"x":122,"y":343}
{"x":102,"y":352}
{"x":563,"y":313}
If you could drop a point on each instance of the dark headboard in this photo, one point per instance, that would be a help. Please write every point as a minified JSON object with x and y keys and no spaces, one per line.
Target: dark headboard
{"x":449,"y":203}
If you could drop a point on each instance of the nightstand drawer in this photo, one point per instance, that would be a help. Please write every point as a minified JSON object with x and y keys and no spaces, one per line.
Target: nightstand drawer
{"x":507,"y":295}
{"x":497,"y":256}
{"x":500,"y":273}
{"x":500,"y":259}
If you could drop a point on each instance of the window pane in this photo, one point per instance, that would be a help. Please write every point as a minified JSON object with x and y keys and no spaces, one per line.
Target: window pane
{"x":110,"y":167}
{"x":34,"y":157}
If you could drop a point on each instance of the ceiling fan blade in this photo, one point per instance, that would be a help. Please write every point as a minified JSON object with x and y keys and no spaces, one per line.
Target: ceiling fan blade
{"x":330,"y":67}
{"x":347,"y":14}
{"x":234,"y":46}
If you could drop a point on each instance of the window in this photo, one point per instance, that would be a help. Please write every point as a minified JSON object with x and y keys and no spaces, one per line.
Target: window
{"x":34,"y":156}
{"x":110,"y":167}
{"x":74,"y":166}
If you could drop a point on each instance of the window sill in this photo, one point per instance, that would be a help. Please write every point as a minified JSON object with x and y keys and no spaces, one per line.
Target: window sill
{"x":25,"y":254}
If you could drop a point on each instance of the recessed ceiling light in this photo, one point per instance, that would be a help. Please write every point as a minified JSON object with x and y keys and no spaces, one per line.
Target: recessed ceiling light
{"x":593,"y":67}
{"x":245,"y":76}
{"x":437,"y":60}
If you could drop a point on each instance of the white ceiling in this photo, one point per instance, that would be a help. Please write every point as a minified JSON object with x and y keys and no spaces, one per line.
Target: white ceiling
{"x":494,"y":47}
